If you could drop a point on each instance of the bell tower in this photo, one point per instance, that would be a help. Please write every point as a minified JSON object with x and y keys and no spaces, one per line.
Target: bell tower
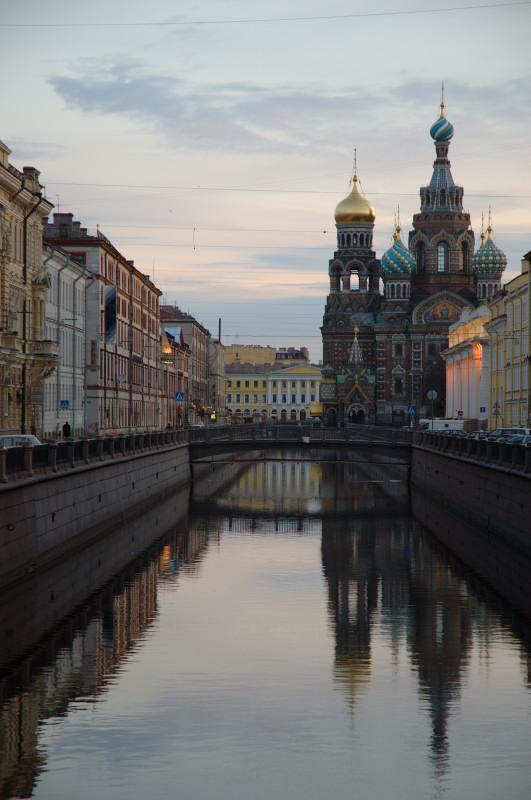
{"x":442,"y":241}
{"x":354,"y":297}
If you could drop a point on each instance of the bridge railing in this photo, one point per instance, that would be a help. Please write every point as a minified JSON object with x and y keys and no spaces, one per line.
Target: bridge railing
{"x":18,"y":463}
{"x":305,"y":434}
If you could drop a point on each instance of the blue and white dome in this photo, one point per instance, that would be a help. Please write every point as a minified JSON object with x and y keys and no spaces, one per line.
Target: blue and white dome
{"x":488,"y":259}
{"x":442,"y":130}
{"x":398,"y":261}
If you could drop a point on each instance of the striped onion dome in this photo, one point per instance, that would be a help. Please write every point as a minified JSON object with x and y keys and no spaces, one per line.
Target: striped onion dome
{"x":488,"y":259}
{"x":398,"y":260}
{"x":442,"y":130}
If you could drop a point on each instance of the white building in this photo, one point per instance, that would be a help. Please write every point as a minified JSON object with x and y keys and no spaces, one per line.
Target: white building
{"x":467,"y":368}
{"x":64,"y":395}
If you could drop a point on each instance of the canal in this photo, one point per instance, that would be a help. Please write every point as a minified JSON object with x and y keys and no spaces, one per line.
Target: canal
{"x":292,"y":633}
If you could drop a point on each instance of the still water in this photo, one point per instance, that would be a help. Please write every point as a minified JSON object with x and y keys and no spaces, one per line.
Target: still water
{"x":297,"y":635}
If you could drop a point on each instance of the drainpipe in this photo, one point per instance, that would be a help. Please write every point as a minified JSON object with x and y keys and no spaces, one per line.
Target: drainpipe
{"x":45,"y":262}
{"x":85,"y":388}
{"x":58,"y":381}
{"x":74,"y":348}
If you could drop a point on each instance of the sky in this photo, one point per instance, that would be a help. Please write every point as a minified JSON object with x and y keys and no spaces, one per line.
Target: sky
{"x":211,"y":142}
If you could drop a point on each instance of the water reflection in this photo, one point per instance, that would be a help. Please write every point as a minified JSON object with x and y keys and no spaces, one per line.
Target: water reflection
{"x":410,"y":629}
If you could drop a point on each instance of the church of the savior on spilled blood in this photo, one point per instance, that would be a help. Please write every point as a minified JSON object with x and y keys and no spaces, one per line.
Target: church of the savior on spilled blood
{"x":382,"y":349}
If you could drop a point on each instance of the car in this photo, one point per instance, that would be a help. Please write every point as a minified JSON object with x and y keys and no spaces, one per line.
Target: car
{"x":478,"y":435}
{"x":519,"y":439}
{"x":18,"y":440}
{"x":502,"y":434}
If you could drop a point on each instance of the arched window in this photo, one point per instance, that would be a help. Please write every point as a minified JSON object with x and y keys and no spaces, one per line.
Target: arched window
{"x":355,"y":239}
{"x":443,"y":197}
{"x":348,"y":239}
{"x":392,"y":290}
{"x":398,"y":290}
{"x":362,"y":240}
{"x":293,"y":414}
{"x":465,"y":257}
{"x":421,"y":257}
{"x":442,"y":257}
{"x":398,"y":386}
{"x":427,"y":197}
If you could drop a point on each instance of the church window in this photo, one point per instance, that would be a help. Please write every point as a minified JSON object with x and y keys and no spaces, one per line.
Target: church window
{"x":442,"y":257}
{"x":443,"y":197}
{"x":398,"y":290}
{"x":362,"y":240}
{"x":432,"y":349}
{"x":392,"y":290}
{"x":398,"y":386}
{"x":399,"y":350}
{"x":421,"y":256}
{"x":348,"y":239}
{"x":354,"y":239}
{"x":465,"y":257}
{"x":427,"y":197}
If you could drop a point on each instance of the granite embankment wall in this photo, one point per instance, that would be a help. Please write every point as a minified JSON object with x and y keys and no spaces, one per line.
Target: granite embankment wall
{"x":482,"y":512}
{"x":51,"y":514}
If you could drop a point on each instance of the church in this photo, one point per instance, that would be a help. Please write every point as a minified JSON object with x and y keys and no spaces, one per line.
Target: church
{"x":382,"y":346}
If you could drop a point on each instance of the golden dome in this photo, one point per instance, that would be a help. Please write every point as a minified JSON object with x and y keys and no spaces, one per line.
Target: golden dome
{"x":354,"y":208}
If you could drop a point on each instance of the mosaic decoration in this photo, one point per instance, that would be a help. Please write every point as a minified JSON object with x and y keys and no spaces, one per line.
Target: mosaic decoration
{"x":488,"y":259}
{"x":398,"y":260}
{"x":442,"y":312}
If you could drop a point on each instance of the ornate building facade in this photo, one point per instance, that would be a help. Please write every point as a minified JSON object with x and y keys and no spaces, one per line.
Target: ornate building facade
{"x":382,"y":349}
{"x":26,"y":356}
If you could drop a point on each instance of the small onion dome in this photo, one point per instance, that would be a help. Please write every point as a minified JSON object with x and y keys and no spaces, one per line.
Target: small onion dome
{"x":488,"y":259}
{"x":398,"y":260}
{"x":354,"y":208}
{"x":442,"y":130}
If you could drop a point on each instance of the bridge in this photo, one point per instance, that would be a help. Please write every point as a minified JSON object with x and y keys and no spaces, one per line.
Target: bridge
{"x":207,"y":443}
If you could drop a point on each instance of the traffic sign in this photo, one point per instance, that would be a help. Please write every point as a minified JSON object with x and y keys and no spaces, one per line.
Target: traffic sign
{"x":411,"y":409}
{"x":482,"y":409}
{"x":179,"y":396}
{"x":459,"y":413}
{"x":432,"y":394}
{"x":65,"y":404}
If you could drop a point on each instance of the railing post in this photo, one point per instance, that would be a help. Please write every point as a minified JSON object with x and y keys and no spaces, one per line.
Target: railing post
{"x":52,"y":455}
{"x":70,"y":451}
{"x":3,"y":468}
{"x":99,"y":447}
{"x":28,"y":459}
{"x":85,"y":450}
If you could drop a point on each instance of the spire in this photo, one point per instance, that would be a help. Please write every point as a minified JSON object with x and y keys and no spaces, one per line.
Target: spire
{"x":356,"y":356}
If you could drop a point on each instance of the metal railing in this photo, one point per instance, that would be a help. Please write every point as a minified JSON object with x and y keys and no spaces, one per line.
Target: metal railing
{"x":18,"y":463}
{"x":300,"y":434}
{"x":500,"y":454}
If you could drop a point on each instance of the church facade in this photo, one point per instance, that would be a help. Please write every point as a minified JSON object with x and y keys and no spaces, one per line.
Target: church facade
{"x":382,"y":347}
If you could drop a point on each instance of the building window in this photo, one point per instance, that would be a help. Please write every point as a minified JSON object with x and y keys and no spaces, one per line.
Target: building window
{"x":229,"y":384}
{"x":284,"y":384}
{"x":312,"y":384}
{"x":399,"y":350}
{"x":246,"y":400}
{"x":442,"y":257}
{"x":246,"y":384}
{"x":255,"y":384}
{"x":229,"y":398}
{"x":264,"y":384}
{"x":293,"y":398}
{"x":432,"y":350}
{"x":421,"y":257}
{"x":303,"y":398}
{"x":398,"y":386}
{"x":274,"y":398}
{"x":283,"y":398}
{"x":238,"y":398}
{"x":274,"y":384}
{"x":238,"y":384}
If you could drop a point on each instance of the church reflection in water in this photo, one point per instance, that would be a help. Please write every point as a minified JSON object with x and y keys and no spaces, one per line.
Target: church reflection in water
{"x":385,"y":578}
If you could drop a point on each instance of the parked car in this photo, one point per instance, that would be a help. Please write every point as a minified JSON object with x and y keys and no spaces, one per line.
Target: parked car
{"x":519,"y":439}
{"x":478,"y":435}
{"x":502,"y":434}
{"x":18,"y":439}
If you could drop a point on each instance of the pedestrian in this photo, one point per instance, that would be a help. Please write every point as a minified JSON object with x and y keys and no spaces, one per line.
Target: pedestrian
{"x":66,"y":430}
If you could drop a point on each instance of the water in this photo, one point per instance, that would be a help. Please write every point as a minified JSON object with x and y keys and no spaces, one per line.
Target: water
{"x":298,"y":636}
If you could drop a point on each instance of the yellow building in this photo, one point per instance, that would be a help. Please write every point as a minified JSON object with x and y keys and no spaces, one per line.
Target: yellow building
{"x":268,"y":392}
{"x":509,"y":328}
{"x":26,"y":358}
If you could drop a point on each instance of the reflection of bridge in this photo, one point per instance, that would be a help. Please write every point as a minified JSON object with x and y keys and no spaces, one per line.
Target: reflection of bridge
{"x":392,"y":444}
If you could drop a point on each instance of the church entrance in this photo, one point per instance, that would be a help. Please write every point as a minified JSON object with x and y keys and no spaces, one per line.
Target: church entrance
{"x":356,"y":415}
{"x":331,"y":418}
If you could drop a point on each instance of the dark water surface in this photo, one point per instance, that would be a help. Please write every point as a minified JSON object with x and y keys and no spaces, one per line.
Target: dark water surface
{"x":296,"y":636}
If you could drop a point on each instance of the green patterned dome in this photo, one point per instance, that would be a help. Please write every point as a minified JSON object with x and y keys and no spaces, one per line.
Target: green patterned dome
{"x":488,"y":259}
{"x":398,"y":261}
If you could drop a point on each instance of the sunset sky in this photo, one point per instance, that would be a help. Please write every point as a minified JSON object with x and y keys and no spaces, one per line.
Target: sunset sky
{"x":212,"y":141}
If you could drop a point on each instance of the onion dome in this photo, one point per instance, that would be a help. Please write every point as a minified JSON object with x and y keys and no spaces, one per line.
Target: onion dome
{"x":354,"y":208}
{"x":442,"y":130}
{"x":398,"y":260}
{"x":488,"y":259}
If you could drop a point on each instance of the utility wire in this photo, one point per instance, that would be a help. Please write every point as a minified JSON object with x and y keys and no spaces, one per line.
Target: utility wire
{"x":182,"y":23}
